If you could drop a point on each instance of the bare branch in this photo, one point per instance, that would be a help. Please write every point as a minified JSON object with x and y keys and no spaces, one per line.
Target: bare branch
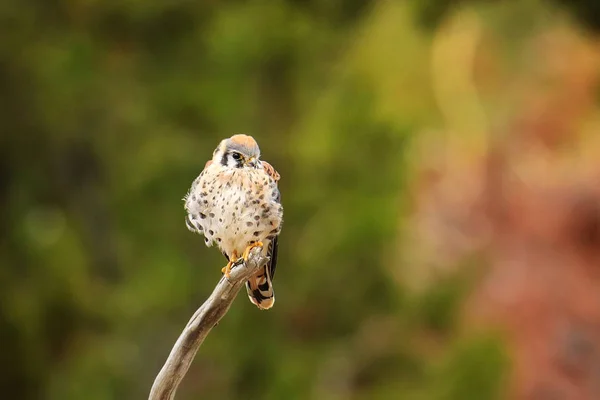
{"x":204,"y":319}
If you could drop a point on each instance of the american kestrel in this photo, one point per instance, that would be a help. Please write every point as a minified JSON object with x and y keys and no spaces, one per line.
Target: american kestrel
{"x":236,"y":204}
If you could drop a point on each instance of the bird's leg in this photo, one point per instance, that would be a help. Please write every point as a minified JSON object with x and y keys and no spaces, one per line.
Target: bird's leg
{"x":249,"y":248}
{"x":227,"y":269}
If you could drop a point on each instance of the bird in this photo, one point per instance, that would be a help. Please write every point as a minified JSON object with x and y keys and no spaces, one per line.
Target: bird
{"x":236,"y":204}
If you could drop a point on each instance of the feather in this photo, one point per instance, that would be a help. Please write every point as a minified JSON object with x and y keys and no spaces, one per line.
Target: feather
{"x":270,"y":171}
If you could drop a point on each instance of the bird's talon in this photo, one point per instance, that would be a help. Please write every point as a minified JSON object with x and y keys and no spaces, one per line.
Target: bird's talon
{"x":249,"y":248}
{"x":226,"y":270}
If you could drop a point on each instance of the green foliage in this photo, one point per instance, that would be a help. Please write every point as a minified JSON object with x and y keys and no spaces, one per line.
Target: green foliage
{"x":110,"y":110}
{"x":472,"y":371}
{"x":431,"y":12}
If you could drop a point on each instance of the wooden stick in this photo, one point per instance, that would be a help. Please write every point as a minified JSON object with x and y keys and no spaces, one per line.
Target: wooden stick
{"x":204,"y":319}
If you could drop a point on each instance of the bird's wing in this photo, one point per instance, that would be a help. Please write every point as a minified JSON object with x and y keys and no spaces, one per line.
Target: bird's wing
{"x":274,"y":244}
{"x":270,"y":171}
{"x":191,"y":220}
{"x":272,"y":254}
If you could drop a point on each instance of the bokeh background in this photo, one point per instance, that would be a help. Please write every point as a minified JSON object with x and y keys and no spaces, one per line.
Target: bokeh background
{"x":440,"y":166}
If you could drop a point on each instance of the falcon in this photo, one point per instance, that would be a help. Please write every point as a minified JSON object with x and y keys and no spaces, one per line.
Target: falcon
{"x":235,"y":203}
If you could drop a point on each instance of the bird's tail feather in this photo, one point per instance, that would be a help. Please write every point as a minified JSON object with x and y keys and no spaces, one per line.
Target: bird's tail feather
{"x":260,"y":289}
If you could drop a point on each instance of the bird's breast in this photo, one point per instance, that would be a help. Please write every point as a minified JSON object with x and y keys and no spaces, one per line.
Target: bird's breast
{"x":237,"y":207}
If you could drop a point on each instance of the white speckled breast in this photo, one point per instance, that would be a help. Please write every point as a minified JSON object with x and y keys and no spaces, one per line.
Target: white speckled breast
{"x":234,"y":207}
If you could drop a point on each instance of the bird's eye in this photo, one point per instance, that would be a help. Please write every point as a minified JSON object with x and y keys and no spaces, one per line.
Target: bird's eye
{"x":237,"y":156}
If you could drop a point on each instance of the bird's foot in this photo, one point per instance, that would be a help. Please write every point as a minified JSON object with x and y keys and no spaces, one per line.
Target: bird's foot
{"x":226,"y":270}
{"x":249,"y":248}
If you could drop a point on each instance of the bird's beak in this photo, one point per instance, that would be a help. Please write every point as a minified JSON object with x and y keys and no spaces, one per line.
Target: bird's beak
{"x":252,"y":162}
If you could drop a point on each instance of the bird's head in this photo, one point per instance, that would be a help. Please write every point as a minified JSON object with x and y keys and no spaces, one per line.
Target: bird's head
{"x":238,"y":151}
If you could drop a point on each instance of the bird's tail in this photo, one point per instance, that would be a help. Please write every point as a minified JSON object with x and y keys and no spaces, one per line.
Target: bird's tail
{"x":260,"y":289}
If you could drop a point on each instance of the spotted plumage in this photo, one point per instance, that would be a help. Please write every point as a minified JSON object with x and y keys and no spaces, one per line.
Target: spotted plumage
{"x":235,"y":203}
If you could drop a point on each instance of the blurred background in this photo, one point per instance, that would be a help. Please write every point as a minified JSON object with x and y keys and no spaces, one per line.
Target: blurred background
{"x":440,"y":166}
